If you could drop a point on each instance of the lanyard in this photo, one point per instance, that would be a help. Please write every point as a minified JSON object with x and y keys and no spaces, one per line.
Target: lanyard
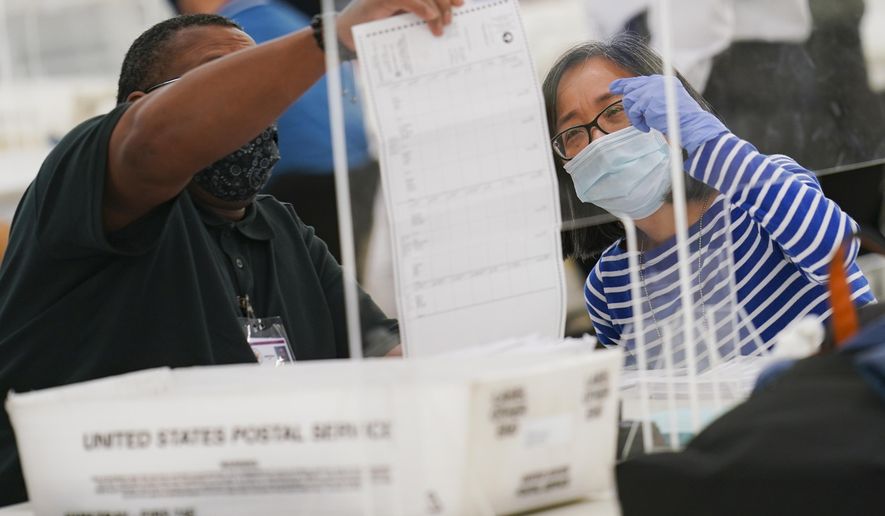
{"x":246,"y":306}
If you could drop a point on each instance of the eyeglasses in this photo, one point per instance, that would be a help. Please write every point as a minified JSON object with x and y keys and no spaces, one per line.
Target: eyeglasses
{"x":160,"y":85}
{"x":570,"y":142}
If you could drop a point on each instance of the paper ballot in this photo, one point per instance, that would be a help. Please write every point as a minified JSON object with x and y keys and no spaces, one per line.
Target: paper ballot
{"x":439,"y":436}
{"x":468,"y":177}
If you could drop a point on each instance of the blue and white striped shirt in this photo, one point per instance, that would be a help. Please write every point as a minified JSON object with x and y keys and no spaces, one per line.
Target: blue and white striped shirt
{"x":782,"y":231}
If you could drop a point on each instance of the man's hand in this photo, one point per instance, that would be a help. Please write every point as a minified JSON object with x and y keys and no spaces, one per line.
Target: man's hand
{"x":396,"y":352}
{"x":437,"y":14}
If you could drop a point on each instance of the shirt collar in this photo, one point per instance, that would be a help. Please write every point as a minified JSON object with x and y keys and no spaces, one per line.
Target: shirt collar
{"x":235,"y":7}
{"x":254,"y":225}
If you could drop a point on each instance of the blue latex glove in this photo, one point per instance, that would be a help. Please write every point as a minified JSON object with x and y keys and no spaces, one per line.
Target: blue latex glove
{"x":646,"y":106}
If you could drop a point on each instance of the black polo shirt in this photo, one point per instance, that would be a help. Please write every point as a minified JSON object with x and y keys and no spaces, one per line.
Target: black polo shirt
{"x":78,"y":304}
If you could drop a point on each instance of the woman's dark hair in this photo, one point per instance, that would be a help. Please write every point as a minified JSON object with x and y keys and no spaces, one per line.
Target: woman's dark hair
{"x":630,"y":52}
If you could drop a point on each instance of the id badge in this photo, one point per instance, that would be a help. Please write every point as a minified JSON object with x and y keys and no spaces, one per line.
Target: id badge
{"x":267,"y":338}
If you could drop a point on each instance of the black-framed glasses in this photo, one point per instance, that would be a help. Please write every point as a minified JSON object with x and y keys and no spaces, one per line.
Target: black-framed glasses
{"x":160,"y":85}
{"x":571,"y":141}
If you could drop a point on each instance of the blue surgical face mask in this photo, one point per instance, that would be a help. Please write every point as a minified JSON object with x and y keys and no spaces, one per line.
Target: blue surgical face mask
{"x":626,"y":173}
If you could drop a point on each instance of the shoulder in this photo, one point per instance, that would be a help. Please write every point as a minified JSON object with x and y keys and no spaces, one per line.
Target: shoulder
{"x":612,"y":262}
{"x":275,"y":210}
{"x":613,"y":259}
{"x":595,"y":298}
{"x":280,"y":216}
{"x":267,"y":20}
{"x":92,"y":134}
{"x":76,"y":166}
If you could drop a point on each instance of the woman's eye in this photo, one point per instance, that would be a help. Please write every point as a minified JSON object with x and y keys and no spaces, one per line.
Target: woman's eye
{"x":615,"y":112}
{"x":574,"y":137}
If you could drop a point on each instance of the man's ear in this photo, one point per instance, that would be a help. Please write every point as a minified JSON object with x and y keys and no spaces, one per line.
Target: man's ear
{"x":135,"y":95}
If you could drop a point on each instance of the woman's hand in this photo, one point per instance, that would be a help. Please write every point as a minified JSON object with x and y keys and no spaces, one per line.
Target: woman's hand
{"x":646,"y":106}
{"x":437,"y":14}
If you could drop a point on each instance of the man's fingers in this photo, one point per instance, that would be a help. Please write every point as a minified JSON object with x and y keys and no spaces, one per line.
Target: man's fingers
{"x":437,"y":13}
{"x":436,"y":26}
{"x":445,"y":8}
{"x":397,"y":351}
{"x":427,"y":10}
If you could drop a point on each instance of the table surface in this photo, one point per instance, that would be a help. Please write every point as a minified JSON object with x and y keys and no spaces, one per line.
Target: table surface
{"x":595,"y":508}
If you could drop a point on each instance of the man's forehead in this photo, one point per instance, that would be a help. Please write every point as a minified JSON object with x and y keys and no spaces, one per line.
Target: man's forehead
{"x":194,"y":46}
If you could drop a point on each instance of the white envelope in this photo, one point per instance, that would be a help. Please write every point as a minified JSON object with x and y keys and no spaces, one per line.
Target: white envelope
{"x":445,"y":435}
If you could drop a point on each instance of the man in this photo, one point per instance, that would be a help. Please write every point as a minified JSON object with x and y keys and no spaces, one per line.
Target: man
{"x":141,"y":241}
{"x":305,"y":174}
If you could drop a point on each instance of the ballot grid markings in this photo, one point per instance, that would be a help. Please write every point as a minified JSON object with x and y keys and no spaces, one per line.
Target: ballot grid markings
{"x":398,"y":59}
{"x":407,"y":128}
{"x":456,"y":220}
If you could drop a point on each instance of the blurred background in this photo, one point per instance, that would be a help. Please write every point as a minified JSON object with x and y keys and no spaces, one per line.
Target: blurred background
{"x":801,"y":77}
{"x":804,"y":78}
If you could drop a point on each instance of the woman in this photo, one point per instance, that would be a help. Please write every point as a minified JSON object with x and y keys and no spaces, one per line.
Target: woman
{"x":607,"y":116}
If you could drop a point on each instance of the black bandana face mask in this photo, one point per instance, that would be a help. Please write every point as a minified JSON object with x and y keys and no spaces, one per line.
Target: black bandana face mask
{"x":239,"y":176}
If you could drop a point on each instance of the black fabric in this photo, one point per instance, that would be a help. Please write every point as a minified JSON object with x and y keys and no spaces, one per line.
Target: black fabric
{"x":314,"y":196}
{"x":76,"y":304}
{"x":859,"y":192}
{"x":811,"y":443}
{"x":308,"y":7}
